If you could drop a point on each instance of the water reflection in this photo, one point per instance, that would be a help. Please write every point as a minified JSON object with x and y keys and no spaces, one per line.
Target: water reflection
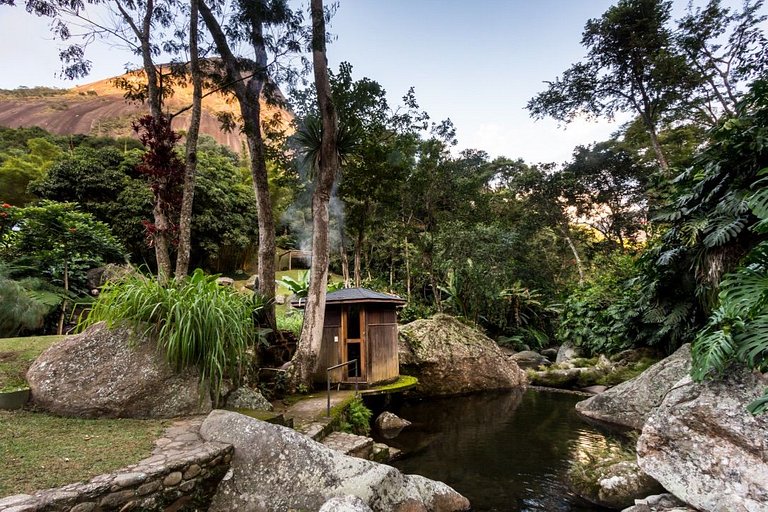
{"x":505,"y":452}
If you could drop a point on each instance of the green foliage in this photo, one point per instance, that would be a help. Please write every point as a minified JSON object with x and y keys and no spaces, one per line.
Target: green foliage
{"x":599,"y":317}
{"x":20,"y":167}
{"x":25,"y":304}
{"x":357,"y":418}
{"x":298,"y":287}
{"x":291,"y":321}
{"x":58,"y":242}
{"x":708,"y":233}
{"x":197,"y":322}
{"x":103,"y":180}
{"x":415,"y":311}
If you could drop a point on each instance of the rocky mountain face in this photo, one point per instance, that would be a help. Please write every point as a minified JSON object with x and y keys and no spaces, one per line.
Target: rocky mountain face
{"x":100,"y":109}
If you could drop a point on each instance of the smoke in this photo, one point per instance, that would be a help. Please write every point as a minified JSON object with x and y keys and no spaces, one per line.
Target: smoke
{"x":298,"y":219}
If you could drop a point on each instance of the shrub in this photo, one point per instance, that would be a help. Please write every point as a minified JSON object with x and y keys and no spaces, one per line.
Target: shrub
{"x":198,"y":322}
{"x":357,"y":418}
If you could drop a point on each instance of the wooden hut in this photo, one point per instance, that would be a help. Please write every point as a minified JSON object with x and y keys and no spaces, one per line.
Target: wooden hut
{"x":359,"y":324}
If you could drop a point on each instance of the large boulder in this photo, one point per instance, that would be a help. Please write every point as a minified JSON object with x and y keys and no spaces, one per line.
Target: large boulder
{"x":275,"y":469}
{"x":704,"y":447}
{"x":113,"y":373}
{"x":630,"y":403}
{"x":450,"y":358}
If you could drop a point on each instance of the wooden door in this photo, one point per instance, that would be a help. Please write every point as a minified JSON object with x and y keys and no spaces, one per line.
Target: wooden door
{"x":353,"y":342}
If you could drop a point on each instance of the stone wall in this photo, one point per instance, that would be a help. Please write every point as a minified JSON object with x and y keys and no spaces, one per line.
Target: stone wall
{"x":182,"y":474}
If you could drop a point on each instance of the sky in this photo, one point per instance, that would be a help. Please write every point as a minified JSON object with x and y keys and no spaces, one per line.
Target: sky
{"x":475,"y":62}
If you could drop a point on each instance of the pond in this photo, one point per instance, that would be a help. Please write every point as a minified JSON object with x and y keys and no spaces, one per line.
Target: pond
{"x":505,"y":452}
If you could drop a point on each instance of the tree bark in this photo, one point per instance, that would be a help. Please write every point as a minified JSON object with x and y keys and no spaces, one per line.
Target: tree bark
{"x":305,"y":360}
{"x":185,"y":215}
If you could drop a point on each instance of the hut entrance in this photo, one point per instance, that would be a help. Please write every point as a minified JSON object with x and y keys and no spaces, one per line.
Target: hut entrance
{"x":353,"y":343}
{"x":359,"y":324}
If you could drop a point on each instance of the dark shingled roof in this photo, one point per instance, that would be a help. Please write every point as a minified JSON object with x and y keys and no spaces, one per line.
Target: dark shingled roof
{"x":355,"y":295}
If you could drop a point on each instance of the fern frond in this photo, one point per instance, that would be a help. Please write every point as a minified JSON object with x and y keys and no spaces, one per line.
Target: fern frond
{"x":711,"y":353}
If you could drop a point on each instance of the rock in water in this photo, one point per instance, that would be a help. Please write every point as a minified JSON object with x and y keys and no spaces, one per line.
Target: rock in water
{"x":108,"y":373}
{"x":390,"y":425}
{"x":704,"y":447}
{"x":276,"y":469}
{"x":247,"y":398}
{"x":622,"y":483}
{"x":451,"y":358}
{"x":630,"y":403}
{"x":530,"y":359}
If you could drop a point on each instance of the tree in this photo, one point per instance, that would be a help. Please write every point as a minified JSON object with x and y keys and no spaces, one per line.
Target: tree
{"x":327,"y":166}
{"x":607,"y":189}
{"x":246,"y":79}
{"x":631,"y":66}
{"x":192,"y":136}
{"x":19,"y":168}
{"x":140,"y":26}
{"x":727,"y":49}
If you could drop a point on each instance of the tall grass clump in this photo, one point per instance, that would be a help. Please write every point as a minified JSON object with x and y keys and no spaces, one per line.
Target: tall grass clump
{"x":197,"y":321}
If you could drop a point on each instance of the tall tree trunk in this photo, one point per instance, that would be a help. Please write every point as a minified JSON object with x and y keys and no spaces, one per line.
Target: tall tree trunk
{"x":358,"y":258}
{"x":305,"y":360}
{"x":576,"y":257}
{"x":185,"y":215}
{"x":248,"y":93}
{"x":344,"y":258}
{"x":160,"y":236}
{"x":407,"y":270}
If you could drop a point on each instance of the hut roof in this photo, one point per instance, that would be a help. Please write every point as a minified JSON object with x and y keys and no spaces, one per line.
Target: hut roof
{"x":355,"y":295}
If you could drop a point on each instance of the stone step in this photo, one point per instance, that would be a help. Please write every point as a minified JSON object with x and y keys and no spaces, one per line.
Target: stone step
{"x":350,"y":444}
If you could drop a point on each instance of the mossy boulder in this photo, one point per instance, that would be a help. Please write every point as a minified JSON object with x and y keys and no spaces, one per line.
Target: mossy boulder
{"x":450,"y":358}
{"x":113,"y":373}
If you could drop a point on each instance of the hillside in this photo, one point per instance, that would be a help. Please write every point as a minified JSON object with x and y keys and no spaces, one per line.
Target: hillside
{"x":99,"y":109}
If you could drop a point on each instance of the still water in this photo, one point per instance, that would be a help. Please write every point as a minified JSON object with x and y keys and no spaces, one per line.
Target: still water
{"x":505,"y":452}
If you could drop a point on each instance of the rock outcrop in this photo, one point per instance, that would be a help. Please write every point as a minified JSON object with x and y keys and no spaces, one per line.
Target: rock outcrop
{"x":269,"y":460}
{"x":113,"y":373}
{"x":630,"y":403}
{"x":451,"y":358}
{"x":704,"y":447}
{"x":345,"y":504}
{"x":247,"y":398}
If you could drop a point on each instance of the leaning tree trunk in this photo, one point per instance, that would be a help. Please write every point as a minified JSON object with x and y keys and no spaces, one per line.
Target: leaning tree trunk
{"x":305,"y":360}
{"x":248,"y":93}
{"x":185,"y":215}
